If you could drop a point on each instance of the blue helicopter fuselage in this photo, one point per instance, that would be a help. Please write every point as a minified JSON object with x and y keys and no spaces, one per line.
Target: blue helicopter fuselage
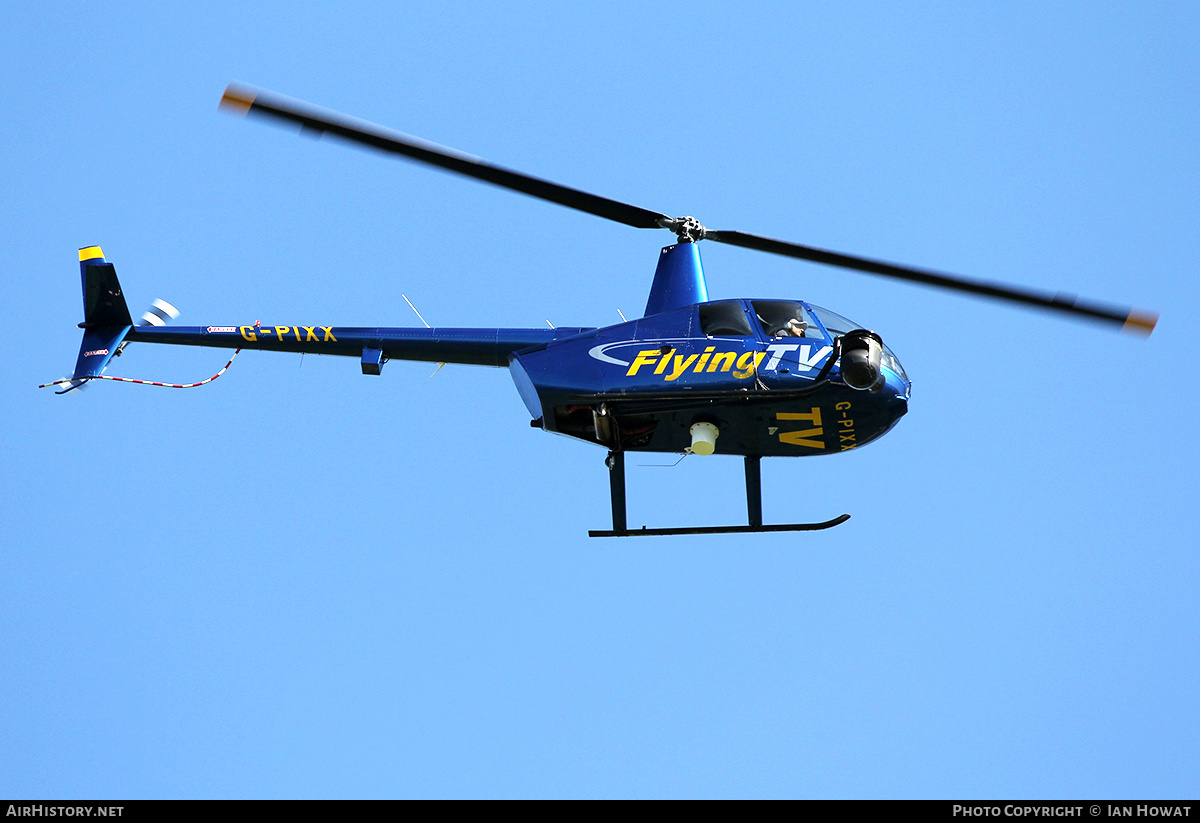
{"x":766,"y":375}
{"x":657,"y":376}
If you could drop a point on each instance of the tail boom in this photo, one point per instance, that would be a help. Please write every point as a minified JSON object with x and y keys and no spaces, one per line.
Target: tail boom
{"x":478,"y":347}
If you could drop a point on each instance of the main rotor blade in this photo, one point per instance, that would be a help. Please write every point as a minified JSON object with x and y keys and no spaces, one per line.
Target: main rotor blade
{"x":249,"y":101}
{"x":321,"y":121}
{"x":1130,"y":319}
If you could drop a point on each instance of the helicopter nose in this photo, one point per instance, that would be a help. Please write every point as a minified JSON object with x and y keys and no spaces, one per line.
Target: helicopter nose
{"x":898,"y":391}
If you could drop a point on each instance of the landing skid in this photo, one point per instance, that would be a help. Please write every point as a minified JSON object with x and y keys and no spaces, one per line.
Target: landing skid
{"x":616,"y":484}
{"x":789,"y":527}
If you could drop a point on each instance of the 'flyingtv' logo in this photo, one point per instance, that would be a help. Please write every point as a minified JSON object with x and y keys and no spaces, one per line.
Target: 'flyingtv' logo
{"x":670,"y":366}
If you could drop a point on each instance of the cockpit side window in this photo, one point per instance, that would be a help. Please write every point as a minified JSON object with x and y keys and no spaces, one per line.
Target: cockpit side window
{"x":726,"y":319}
{"x":785,"y":318}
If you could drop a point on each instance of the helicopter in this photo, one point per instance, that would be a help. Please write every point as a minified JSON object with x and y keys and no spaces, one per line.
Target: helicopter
{"x":749,"y":377}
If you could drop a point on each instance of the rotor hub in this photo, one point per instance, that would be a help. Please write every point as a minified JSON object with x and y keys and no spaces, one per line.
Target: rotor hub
{"x":687,"y":229}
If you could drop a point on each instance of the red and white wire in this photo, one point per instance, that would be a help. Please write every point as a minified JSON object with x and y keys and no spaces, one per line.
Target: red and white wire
{"x":144,"y":382}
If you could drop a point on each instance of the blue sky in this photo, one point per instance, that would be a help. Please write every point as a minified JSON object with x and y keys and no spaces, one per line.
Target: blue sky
{"x":300,"y":581}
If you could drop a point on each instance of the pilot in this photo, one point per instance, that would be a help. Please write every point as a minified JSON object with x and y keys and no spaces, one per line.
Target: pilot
{"x":793,"y":328}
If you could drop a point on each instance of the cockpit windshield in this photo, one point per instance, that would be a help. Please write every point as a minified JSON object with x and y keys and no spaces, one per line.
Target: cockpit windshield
{"x":837,"y":325}
{"x":785,"y":318}
{"x":834,"y":323}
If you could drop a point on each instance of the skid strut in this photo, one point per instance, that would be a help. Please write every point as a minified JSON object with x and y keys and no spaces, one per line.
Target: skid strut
{"x":754,"y":490}
{"x":616,"y":486}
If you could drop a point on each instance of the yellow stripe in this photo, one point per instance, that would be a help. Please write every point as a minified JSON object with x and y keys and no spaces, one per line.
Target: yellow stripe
{"x":90,"y":253}
{"x":237,"y":100}
{"x":1140,"y":322}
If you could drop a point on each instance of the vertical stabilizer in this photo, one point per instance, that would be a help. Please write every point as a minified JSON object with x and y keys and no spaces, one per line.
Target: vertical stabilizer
{"x":103,"y":303}
{"x":106,"y":318}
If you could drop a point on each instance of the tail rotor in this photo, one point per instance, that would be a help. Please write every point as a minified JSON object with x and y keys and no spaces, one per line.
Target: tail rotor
{"x":160,"y":313}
